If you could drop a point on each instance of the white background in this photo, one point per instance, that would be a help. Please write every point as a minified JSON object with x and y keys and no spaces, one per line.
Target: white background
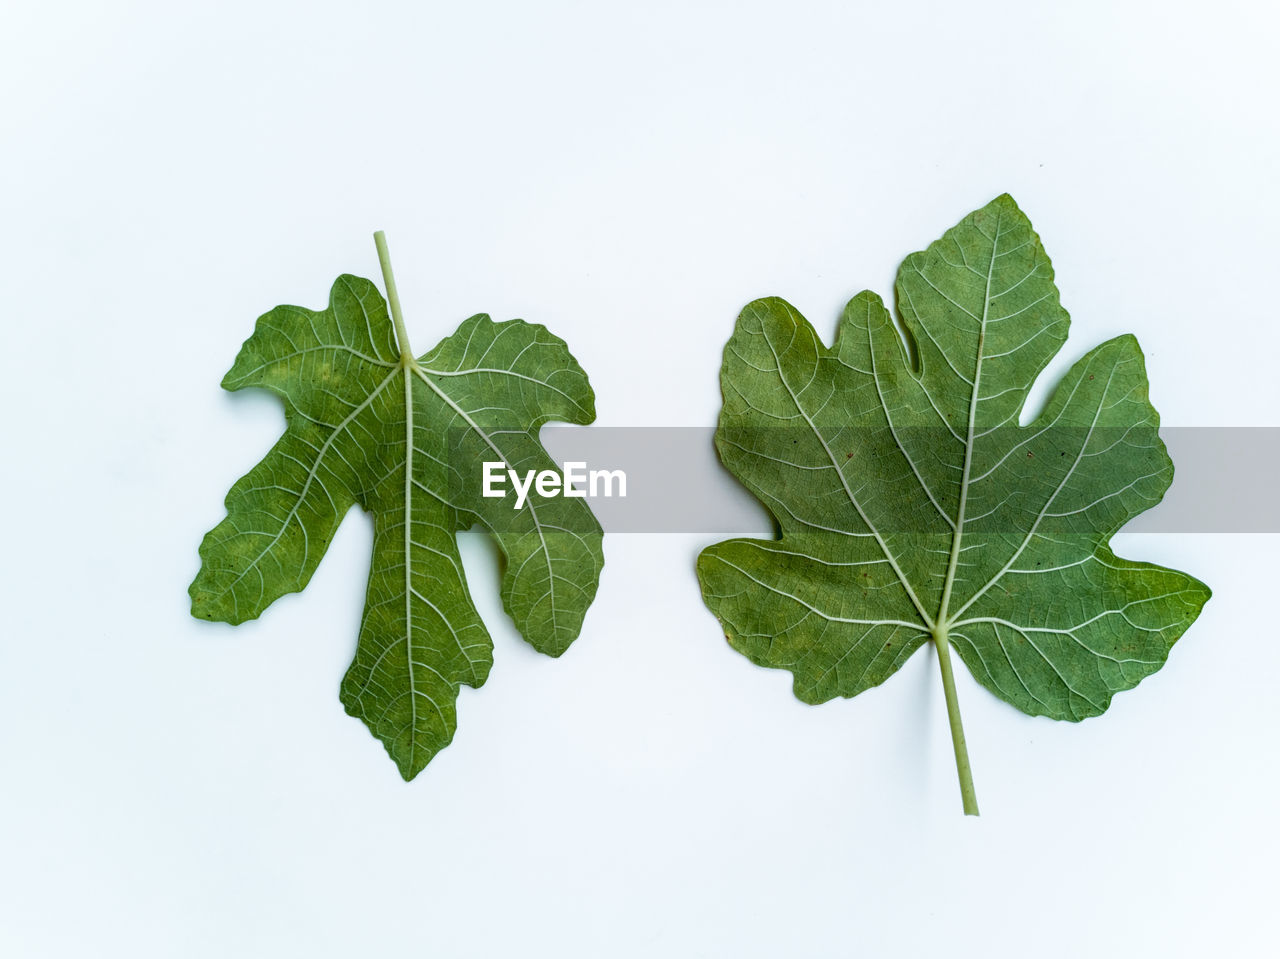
{"x":630,"y":176}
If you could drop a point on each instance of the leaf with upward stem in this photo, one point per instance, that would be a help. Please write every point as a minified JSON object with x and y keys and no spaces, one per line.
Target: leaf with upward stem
{"x":405,"y":438}
{"x":914,"y":508}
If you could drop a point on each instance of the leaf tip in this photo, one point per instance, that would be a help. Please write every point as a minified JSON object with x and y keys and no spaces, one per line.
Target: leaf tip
{"x":1199,"y":593}
{"x":1005,"y":203}
{"x":407,"y":771}
{"x":204,"y":607}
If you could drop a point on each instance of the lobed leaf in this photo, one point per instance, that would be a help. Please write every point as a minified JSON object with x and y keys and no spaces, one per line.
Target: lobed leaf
{"x":914,"y":507}
{"x":405,"y":441}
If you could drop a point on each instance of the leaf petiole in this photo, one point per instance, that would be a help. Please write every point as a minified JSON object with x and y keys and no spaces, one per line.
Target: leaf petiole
{"x":943,"y":645}
{"x":393,"y":299}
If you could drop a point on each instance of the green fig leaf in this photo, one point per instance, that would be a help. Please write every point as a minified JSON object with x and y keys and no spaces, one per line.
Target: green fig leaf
{"x":405,"y":439}
{"x":914,"y":508}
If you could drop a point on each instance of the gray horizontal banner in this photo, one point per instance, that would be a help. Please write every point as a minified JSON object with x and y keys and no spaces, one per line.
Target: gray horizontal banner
{"x":675,"y":483}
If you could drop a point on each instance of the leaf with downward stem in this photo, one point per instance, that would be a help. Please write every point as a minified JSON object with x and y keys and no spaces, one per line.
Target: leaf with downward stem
{"x":914,"y":508}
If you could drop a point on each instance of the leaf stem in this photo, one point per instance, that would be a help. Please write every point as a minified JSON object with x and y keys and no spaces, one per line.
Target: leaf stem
{"x":393,"y":298}
{"x":967,"y":794}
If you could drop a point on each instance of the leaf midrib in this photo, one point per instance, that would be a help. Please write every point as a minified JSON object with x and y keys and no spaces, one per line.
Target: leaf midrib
{"x":409,"y":367}
{"x":958,"y":527}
